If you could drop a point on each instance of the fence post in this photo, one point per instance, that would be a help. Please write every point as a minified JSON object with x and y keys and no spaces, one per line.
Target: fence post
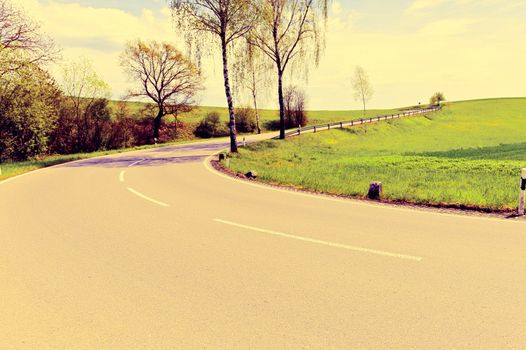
{"x":299,"y":130}
{"x":341,"y":125}
{"x":352,"y":122}
{"x":523,"y":189}
{"x":328,"y":126}
{"x":314,"y":128}
{"x":244,"y":142}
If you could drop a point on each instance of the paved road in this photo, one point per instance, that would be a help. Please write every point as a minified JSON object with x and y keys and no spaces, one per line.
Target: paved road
{"x":152,"y":250}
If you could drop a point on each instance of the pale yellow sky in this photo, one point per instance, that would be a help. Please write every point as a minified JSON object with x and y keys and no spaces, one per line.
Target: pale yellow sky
{"x":410,"y":48}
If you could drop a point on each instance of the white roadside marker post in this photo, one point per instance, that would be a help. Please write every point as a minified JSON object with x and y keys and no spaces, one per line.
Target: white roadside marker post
{"x":523,"y":190}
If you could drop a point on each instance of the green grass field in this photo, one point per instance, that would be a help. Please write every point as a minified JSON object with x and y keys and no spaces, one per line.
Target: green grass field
{"x":470,"y":153}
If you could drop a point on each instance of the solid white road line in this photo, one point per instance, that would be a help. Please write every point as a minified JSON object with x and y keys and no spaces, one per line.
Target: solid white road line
{"x":121,"y":176}
{"x":147,"y":198}
{"x":317,"y":241}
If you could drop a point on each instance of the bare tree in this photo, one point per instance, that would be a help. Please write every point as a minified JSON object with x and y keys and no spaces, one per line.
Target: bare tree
{"x":287,"y":31}
{"x":165,"y":76}
{"x":295,"y":100}
{"x":21,"y":41}
{"x":363,"y":91}
{"x":223,"y":20}
{"x":252,"y":72}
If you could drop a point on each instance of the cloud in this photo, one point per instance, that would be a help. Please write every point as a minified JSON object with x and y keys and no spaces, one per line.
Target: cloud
{"x":423,"y":5}
{"x":472,"y":52}
{"x":447,"y":27}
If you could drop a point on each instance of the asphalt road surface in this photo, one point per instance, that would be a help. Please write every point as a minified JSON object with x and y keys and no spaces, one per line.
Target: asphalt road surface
{"x":153,"y":250}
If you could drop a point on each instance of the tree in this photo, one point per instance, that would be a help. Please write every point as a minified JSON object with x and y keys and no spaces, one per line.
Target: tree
{"x":286,"y":32}
{"x":82,"y":87}
{"x":437,"y":98}
{"x":165,"y":76}
{"x":252,"y":73}
{"x":363,"y":91}
{"x":294,"y":100}
{"x":222,"y":20}
{"x":21,"y":42}
{"x":28,"y":112}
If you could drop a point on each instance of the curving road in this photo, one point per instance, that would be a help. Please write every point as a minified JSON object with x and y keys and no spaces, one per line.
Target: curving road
{"x":153,"y":250}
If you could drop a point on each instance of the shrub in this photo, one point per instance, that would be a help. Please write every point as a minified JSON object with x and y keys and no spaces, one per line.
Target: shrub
{"x":28,"y":110}
{"x":437,"y":98}
{"x":295,"y":114}
{"x":211,"y":126}
{"x":245,"y":119}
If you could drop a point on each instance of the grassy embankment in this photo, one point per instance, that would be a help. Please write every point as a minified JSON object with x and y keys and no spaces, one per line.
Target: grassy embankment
{"x":470,"y":153}
{"x":193,"y":117}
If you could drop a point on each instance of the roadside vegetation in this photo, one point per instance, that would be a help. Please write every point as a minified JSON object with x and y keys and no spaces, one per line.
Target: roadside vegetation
{"x":470,"y":153}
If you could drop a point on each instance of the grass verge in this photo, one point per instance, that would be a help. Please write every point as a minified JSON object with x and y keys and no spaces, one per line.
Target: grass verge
{"x":469,"y":155}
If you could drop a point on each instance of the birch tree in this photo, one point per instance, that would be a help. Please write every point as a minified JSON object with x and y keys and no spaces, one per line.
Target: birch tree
{"x":252,"y":73}
{"x":362,"y":88}
{"x":290,"y":31}
{"x":220,"y":22}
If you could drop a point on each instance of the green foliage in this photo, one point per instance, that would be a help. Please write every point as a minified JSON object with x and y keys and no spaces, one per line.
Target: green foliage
{"x":437,"y":98}
{"x":211,"y":126}
{"x":471,"y":153}
{"x":28,"y":111}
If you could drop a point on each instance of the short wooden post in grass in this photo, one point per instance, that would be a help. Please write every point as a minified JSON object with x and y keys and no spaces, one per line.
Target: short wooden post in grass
{"x":375,"y":190}
{"x":328,"y":126}
{"x":341,"y":125}
{"x":244,"y":142}
{"x":523,"y":190}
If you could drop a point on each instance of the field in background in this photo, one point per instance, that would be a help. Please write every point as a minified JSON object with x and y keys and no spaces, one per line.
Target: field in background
{"x":266,"y":115}
{"x":470,"y":153}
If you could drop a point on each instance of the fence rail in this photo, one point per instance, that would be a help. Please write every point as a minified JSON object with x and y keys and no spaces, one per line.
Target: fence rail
{"x":361,"y":121}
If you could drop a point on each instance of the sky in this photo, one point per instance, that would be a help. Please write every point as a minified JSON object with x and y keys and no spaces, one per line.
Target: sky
{"x":410,"y":48}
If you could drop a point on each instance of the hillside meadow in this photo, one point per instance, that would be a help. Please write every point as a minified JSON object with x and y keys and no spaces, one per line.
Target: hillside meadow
{"x":469,"y":154}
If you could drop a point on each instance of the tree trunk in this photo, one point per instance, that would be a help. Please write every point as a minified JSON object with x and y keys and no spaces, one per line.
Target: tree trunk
{"x":232,"y":123}
{"x":257,"y":112}
{"x":281,"y":106}
{"x":363,"y":100}
{"x":157,"y":125}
